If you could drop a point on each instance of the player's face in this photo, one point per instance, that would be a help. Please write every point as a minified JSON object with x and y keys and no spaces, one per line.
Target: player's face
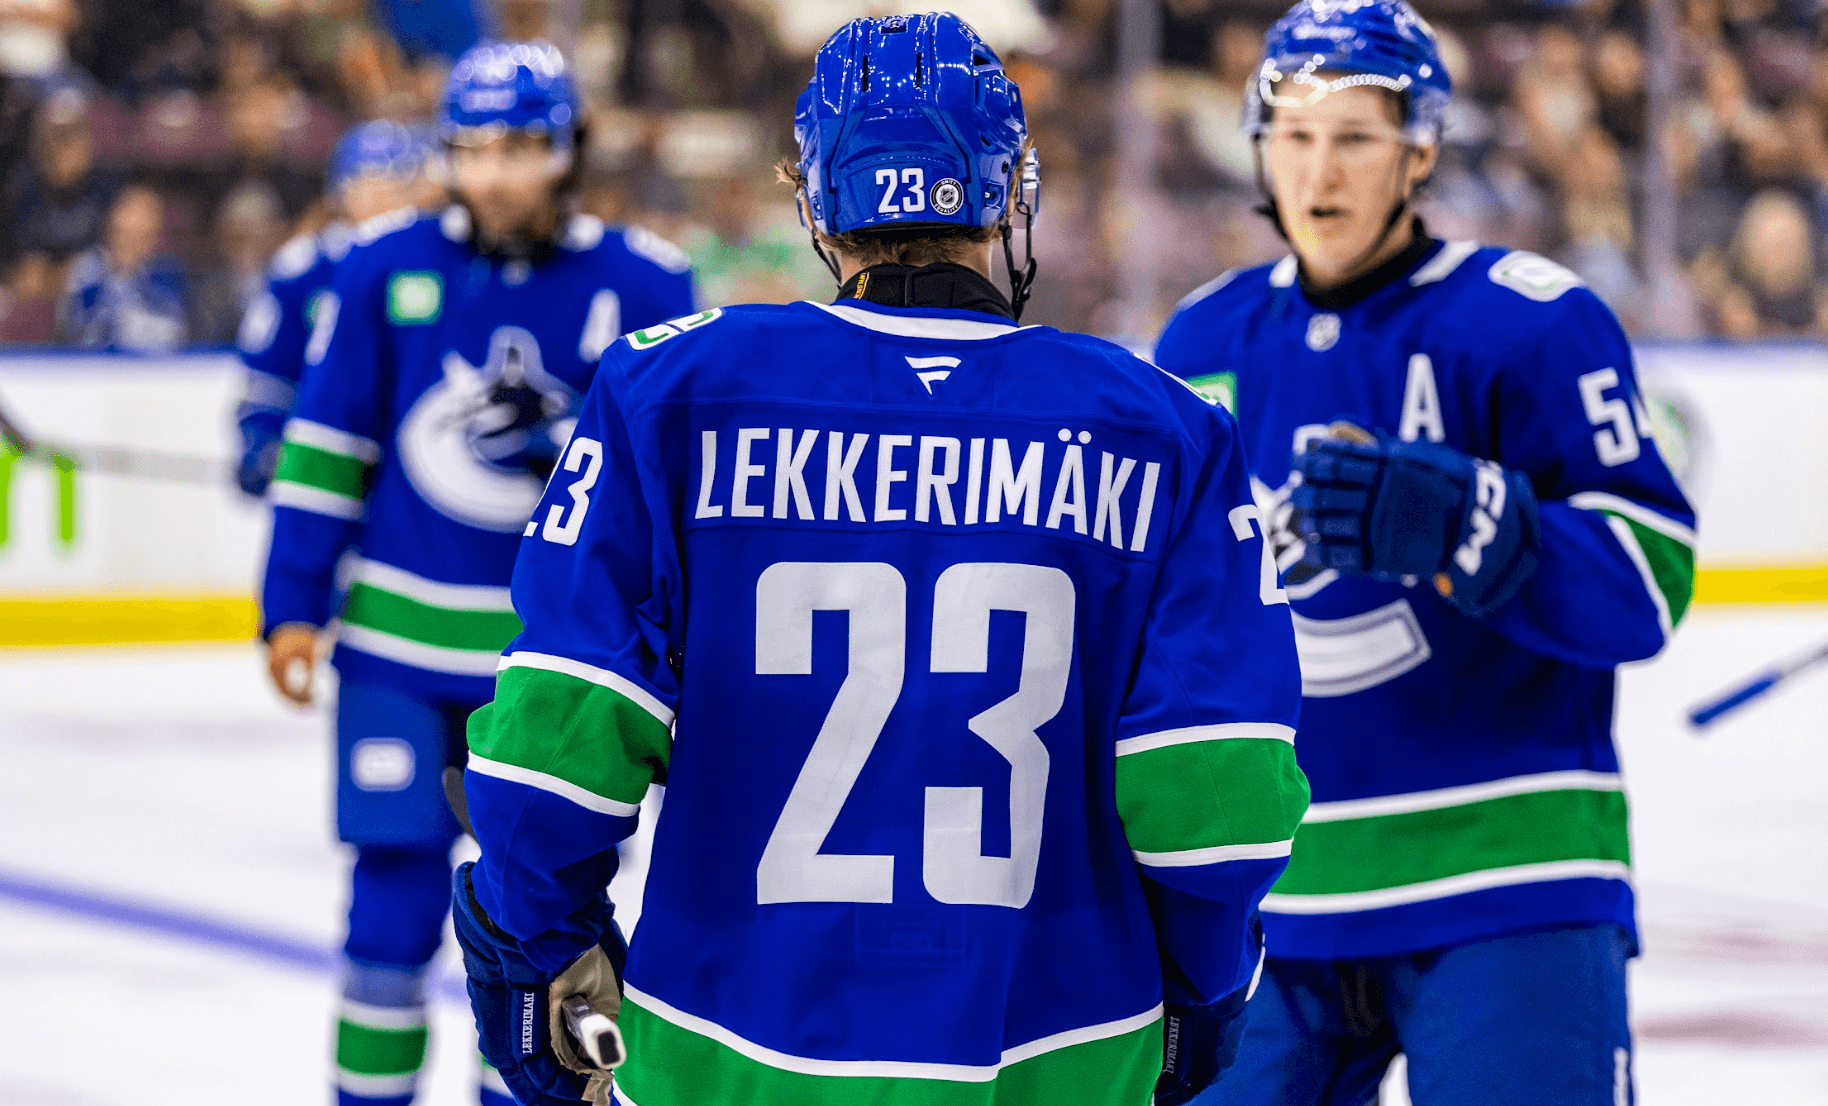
{"x":366,"y":197}
{"x":1337,"y":168}
{"x":509,"y":182}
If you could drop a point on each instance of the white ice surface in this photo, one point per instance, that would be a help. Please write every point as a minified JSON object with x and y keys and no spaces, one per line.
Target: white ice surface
{"x":173,"y":777}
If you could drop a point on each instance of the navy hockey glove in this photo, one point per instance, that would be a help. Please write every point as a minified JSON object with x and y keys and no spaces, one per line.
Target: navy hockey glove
{"x":1390,"y":509}
{"x":1198,"y":1043}
{"x":519,"y":1019}
{"x":260,"y":440}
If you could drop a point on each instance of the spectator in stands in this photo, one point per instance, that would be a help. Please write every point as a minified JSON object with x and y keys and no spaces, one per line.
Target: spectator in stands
{"x":125,"y":294}
{"x":58,"y":200}
{"x":249,"y":227}
{"x":1776,"y":292}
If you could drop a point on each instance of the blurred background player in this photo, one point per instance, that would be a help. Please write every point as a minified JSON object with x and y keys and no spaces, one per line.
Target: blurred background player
{"x":441,"y":377}
{"x":376,"y":168}
{"x":1059,"y":773}
{"x":1472,"y":551}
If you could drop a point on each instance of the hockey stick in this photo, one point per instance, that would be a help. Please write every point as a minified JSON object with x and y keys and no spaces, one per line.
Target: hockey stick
{"x":1707,"y":713}
{"x":147,"y":464}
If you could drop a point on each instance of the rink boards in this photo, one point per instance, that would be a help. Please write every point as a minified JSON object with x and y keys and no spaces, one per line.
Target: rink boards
{"x":89,"y":556}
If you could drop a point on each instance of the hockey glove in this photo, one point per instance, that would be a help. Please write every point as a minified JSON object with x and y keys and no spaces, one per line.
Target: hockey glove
{"x":519,"y":1019}
{"x":1199,"y":1043}
{"x":1389,"y":509}
{"x":260,"y":441}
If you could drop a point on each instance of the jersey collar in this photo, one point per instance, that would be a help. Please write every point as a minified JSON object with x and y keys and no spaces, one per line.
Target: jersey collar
{"x":1360,"y":288}
{"x":949,"y":324}
{"x":944,"y":285}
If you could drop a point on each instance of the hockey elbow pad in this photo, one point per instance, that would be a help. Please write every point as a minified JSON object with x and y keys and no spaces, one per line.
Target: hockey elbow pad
{"x":1391,"y":509}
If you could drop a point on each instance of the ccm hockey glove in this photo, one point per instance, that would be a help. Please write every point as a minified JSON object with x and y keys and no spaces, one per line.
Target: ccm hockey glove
{"x":518,"y":1018}
{"x":1389,"y":509}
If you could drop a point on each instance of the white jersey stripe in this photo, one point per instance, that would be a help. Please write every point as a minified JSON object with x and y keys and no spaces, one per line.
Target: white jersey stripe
{"x":1383,"y":805}
{"x":551,"y":784}
{"x":885,"y":1069}
{"x":1223,"y":731}
{"x":303,"y":497}
{"x":1216,"y":854}
{"x":1353,"y":901}
{"x":602,"y":677}
{"x":433,"y":658}
{"x":331,"y":440}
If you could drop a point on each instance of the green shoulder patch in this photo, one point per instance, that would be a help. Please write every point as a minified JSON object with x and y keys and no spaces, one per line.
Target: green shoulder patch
{"x":1533,"y":276}
{"x":1219,"y":388}
{"x":652,"y":336}
{"x":415,"y":298}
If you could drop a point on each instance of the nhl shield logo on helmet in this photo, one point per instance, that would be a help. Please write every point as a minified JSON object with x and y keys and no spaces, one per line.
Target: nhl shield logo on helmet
{"x":948,"y":197}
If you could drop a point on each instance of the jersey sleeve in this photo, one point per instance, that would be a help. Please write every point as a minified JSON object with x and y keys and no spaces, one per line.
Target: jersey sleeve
{"x":332,"y":440}
{"x":584,"y":701}
{"x":1207,"y":783}
{"x":271,"y":341}
{"x":1617,"y":565}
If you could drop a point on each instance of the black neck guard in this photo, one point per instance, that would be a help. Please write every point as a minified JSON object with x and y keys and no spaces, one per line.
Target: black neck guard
{"x":1353,"y":291}
{"x":942,"y":285}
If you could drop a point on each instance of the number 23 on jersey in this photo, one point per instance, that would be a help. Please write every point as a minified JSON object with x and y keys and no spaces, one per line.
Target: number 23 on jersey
{"x":875,"y":596}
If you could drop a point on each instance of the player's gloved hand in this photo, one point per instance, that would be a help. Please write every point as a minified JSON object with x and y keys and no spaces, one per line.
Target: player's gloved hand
{"x":259,"y":455}
{"x":1389,"y":509}
{"x":520,"y":1027}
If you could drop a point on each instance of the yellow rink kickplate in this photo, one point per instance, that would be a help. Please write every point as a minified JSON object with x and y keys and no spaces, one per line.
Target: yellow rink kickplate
{"x":32,"y":621}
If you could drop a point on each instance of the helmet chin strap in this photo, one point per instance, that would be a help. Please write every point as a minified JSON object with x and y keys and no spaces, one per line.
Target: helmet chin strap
{"x":1021,"y":281}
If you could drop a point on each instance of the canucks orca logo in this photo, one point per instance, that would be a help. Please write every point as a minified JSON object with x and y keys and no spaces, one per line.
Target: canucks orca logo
{"x":449,"y":441}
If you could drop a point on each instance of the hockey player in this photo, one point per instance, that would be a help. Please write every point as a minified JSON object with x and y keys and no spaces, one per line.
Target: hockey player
{"x":377,"y":167}
{"x":444,"y":370}
{"x":952,"y":640}
{"x":1451,"y":449}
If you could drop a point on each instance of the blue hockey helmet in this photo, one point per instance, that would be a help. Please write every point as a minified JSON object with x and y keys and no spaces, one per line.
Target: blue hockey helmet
{"x":1381,"y":43}
{"x":380,"y":147}
{"x":910,"y":122}
{"x":499,"y":87}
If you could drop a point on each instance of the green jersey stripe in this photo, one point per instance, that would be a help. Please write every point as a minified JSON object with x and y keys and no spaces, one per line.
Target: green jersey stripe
{"x":573,"y":731}
{"x":615,"y":682}
{"x":1421,"y":846}
{"x":311,"y":467}
{"x":366,"y":1051}
{"x":331,"y":440}
{"x":417,"y":654}
{"x":1354,"y":901}
{"x":317,"y":501}
{"x":1663,"y":551}
{"x":1222,"y":732}
{"x":486,"y":631}
{"x":514,"y":773}
{"x":1202,"y":795}
{"x":695,"y":1061}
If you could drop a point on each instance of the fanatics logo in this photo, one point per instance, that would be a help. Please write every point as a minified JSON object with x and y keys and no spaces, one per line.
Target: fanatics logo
{"x":1323,"y":332}
{"x":948,"y":196}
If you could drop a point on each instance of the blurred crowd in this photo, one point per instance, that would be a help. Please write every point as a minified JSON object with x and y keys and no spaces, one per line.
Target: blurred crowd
{"x":155,"y":153}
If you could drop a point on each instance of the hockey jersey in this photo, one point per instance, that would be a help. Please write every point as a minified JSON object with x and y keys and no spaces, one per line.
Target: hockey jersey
{"x":1464,"y":778}
{"x":378,"y":459}
{"x":277,"y":325}
{"x":954,"y":644}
